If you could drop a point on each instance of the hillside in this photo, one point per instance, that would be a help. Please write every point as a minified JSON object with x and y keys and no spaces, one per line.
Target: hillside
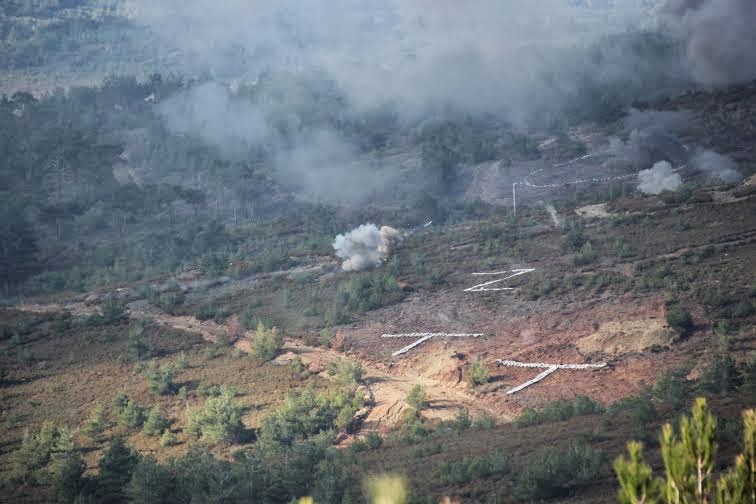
{"x":252,"y":271}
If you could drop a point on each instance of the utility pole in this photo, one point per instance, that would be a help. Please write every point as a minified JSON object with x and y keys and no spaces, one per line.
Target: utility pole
{"x":514,"y":199}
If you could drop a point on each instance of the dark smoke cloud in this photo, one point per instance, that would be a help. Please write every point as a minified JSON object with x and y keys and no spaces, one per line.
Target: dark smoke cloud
{"x":720,"y":37}
{"x":652,"y":136}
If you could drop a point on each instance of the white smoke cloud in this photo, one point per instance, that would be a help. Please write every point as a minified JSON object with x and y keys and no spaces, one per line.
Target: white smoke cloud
{"x":365,"y":247}
{"x":658,"y":179}
{"x":716,"y":165}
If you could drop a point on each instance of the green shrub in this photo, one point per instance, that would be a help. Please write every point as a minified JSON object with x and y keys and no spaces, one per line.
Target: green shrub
{"x":113,"y":312}
{"x":306,"y":414}
{"x":168,"y":300}
{"x":554,"y":472}
{"x":427,"y":449}
{"x":641,"y":411}
{"x":37,"y":451}
{"x":575,"y":238}
{"x":135,"y":344}
{"x":25,"y":356}
{"x":484,"y":423}
{"x":462,"y":421}
{"x":743,"y":309}
{"x":373,"y":440}
{"x":129,"y":413}
{"x":559,"y":410}
{"x":160,"y":379}
{"x":346,"y":372}
{"x":335,"y":315}
{"x":470,"y":469}
{"x":586,"y":255}
{"x":679,"y":318}
{"x":206,"y":311}
{"x":182,"y":362}
{"x":671,"y":388}
{"x":326,"y":336}
{"x":155,"y":423}
{"x":369,"y":291}
{"x":219,"y":420}
{"x":721,"y":375}
{"x":168,"y":439}
{"x":478,"y":373}
{"x":267,"y":343}
{"x":96,"y":423}
{"x":416,"y":398}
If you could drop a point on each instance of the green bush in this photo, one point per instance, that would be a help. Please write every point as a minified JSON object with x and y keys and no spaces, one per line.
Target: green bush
{"x":586,"y":255}
{"x":96,"y":423}
{"x":206,"y":311}
{"x":182,"y":362}
{"x":306,"y":414}
{"x":462,"y":421}
{"x":470,"y":469}
{"x":484,"y":423}
{"x":129,"y":413}
{"x":721,"y":375}
{"x":160,"y":378}
{"x":679,"y":318}
{"x":743,"y":309}
{"x":373,"y":440}
{"x":168,"y":439}
{"x":346,"y":372}
{"x":478,"y":373}
{"x":369,"y":291}
{"x":135,"y":344}
{"x":640,"y":410}
{"x":37,"y":451}
{"x":554,"y":472}
{"x":219,"y":420}
{"x":575,"y":237}
{"x":267,"y":343}
{"x":671,"y":388}
{"x":155,"y":423}
{"x":559,"y":410}
{"x":416,"y":398}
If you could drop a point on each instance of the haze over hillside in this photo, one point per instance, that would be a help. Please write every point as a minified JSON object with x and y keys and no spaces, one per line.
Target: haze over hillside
{"x":254,"y":251}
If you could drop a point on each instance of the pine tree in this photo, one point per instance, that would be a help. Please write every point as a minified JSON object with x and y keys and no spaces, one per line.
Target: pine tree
{"x":637,"y":484}
{"x":116,"y":467}
{"x":689,"y":462}
{"x":739,"y":484}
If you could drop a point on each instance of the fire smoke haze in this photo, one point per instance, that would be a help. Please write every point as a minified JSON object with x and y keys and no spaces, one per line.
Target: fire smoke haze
{"x":365,"y":247}
{"x":528,"y":63}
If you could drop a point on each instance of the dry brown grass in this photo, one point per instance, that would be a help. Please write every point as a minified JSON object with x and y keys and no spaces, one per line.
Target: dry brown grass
{"x":77,"y":368}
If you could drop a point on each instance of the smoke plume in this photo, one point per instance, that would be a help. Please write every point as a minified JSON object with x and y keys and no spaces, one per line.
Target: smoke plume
{"x":365,"y":247}
{"x":720,"y":38}
{"x":716,"y":165}
{"x":554,"y":215}
{"x":653,"y":136}
{"x":658,"y":179}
